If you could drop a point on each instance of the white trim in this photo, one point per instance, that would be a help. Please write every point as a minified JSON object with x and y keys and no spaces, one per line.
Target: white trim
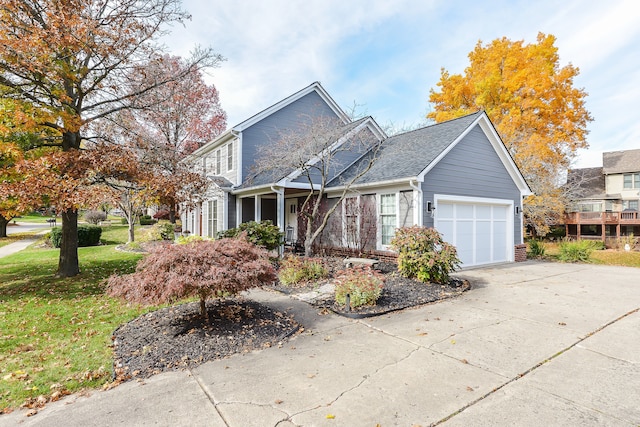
{"x":509,"y":241}
{"x":239,"y":160}
{"x":379,"y":195}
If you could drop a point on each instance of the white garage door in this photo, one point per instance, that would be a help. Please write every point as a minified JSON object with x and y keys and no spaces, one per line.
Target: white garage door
{"x":481,"y":232}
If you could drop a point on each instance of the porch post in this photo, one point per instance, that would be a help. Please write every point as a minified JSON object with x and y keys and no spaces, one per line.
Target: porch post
{"x":257,"y":215}
{"x":238,"y":211}
{"x":280,"y":209}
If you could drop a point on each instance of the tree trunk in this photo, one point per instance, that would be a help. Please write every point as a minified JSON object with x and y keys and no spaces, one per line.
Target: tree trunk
{"x":172,"y":213}
{"x":308,"y":238}
{"x":131,"y":230}
{"x":203,"y":309}
{"x":3,"y":226}
{"x":68,"y":265}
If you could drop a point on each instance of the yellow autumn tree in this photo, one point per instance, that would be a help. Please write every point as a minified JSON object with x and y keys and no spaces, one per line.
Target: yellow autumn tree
{"x":537,"y":111}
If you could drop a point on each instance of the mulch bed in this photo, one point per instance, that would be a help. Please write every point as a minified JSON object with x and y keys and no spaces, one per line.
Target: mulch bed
{"x":178,"y":337}
{"x":398,"y":293}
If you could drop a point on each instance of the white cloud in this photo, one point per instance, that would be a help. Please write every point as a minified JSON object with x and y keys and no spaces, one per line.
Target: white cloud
{"x":388,"y":54}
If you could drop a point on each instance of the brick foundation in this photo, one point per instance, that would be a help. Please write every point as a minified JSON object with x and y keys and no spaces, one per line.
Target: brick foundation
{"x":521,"y":252}
{"x":384,"y":256}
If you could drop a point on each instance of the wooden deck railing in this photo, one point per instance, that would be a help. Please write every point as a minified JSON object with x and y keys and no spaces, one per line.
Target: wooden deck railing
{"x":630,"y":217}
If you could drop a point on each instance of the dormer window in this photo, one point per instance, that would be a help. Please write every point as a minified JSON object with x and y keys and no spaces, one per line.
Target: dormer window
{"x":631,"y":180}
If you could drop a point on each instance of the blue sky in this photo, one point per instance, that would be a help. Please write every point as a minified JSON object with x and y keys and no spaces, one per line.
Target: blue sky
{"x":385,"y":56}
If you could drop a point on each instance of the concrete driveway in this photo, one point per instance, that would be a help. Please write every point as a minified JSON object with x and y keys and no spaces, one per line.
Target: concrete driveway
{"x":531,"y":344}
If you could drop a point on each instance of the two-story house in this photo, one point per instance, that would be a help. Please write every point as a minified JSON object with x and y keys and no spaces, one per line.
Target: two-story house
{"x":607,"y":198}
{"x":456,"y":176}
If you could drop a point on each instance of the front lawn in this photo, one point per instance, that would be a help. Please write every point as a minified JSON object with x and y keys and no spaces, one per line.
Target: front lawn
{"x":604,"y":257}
{"x":55,"y":334}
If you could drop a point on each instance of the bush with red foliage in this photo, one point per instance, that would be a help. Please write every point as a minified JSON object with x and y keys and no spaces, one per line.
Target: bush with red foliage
{"x":206,"y":269}
{"x":161,"y":214}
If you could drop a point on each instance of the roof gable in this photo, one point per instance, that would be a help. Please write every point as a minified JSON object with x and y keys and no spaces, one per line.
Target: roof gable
{"x":411,"y":155}
{"x":314,"y":87}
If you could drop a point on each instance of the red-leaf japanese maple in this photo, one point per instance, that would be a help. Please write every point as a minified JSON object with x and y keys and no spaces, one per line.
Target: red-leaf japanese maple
{"x":206,"y":269}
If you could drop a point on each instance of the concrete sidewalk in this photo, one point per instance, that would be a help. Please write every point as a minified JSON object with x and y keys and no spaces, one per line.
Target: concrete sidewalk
{"x":24,"y":243}
{"x":530,"y":344}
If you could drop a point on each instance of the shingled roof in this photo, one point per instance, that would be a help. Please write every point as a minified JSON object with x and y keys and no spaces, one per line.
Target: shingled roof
{"x":407,"y":154}
{"x":621,"y":161}
{"x":587,"y":183}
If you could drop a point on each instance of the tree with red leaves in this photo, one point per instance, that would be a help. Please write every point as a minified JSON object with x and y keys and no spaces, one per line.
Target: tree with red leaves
{"x":71,"y":63}
{"x":206,"y":269}
{"x":183,"y":116}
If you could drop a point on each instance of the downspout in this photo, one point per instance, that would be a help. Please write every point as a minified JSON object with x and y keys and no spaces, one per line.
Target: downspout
{"x":280,"y":212}
{"x":419,"y":208}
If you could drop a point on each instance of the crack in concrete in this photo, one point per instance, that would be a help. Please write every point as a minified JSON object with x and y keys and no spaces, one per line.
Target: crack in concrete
{"x":217,"y":405}
{"x":533,"y":368}
{"x":209,"y":396}
{"x":359,"y":384}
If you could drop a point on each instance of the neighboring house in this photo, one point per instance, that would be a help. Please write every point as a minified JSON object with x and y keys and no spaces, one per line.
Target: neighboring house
{"x":607,"y":198}
{"x":456,"y":176}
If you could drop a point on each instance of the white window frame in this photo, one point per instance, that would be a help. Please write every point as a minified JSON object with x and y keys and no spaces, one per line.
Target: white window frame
{"x":358,"y":214}
{"x":626,"y":204}
{"x":635,"y":180}
{"x":396,"y":195}
{"x":230,"y":156}
{"x":218,"y":169}
{"x":212,"y":218}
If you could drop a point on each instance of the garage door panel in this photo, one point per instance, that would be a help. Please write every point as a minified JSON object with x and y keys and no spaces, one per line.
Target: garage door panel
{"x":480,"y":231}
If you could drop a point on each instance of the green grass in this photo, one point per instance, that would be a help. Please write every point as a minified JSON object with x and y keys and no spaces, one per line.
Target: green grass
{"x":604,"y":257}
{"x":55,"y":334}
{"x":32,"y":217}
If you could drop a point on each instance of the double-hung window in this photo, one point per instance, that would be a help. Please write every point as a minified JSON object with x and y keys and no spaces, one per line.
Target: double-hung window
{"x":218,"y":160}
{"x":212,"y":219}
{"x":631,"y":180}
{"x":230,"y":156}
{"x":388,"y":218}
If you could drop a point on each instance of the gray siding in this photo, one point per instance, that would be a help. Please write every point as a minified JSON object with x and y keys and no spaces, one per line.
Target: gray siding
{"x":289,"y":118}
{"x":472,"y":168}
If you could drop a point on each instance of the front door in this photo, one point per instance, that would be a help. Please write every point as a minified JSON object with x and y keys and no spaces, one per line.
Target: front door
{"x":291,"y":218}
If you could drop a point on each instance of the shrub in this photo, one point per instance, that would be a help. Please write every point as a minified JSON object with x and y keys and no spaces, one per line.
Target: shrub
{"x":161,"y":214}
{"x":88,"y":235}
{"x":147,"y":220}
{"x":159,"y":231}
{"x":183,"y":240}
{"x":362,"y":284}
{"x":576,"y":251}
{"x":295,"y":269}
{"x":205,"y":269}
{"x":94,"y":217}
{"x":423,"y":255}
{"x":537,"y":248}
{"x":263,"y":233}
